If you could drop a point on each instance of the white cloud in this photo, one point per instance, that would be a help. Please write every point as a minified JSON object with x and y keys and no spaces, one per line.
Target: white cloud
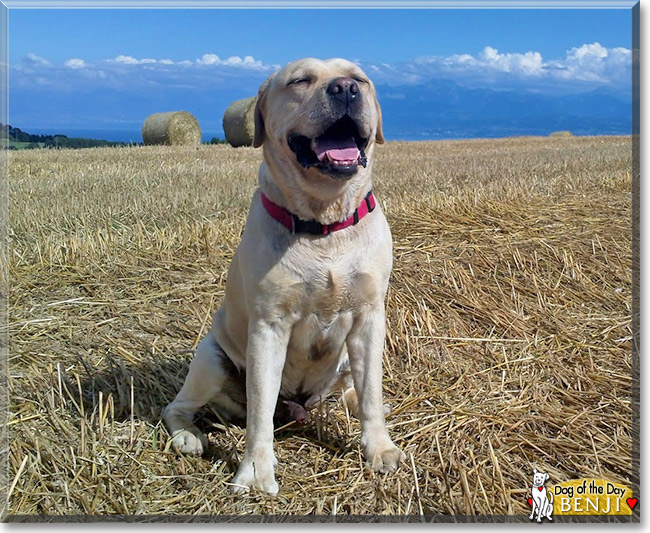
{"x":128,"y":60}
{"x":529,"y":63}
{"x":233,"y":61}
{"x":209,"y":59}
{"x":75,"y":63}
{"x":586,"y":64}
{"x":126,"y":73}
{"x":34,"y":60}
{"x":581,"y":68}
{"x":588,"y":50}
{"x":594,"y":62}
{"x":248,"y":62}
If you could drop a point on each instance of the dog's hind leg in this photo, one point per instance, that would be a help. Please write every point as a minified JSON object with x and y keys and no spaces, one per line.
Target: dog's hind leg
{"x":207,"y":377}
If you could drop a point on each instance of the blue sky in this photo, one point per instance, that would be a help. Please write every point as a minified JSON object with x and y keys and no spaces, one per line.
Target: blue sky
{"x":63,"y":58}
{"x":278,"y":36}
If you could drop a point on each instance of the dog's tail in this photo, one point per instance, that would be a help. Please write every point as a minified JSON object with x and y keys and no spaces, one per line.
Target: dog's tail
{"x":550,"y":493}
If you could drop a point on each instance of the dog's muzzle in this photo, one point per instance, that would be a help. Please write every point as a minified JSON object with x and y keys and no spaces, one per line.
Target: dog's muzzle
{"x":337,"y":152}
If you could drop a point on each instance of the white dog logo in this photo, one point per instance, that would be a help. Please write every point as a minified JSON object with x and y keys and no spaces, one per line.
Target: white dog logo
{"x":540,"y":501}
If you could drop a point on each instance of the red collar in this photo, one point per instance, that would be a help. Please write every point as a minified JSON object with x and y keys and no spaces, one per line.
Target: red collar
{"x":297,"y":225}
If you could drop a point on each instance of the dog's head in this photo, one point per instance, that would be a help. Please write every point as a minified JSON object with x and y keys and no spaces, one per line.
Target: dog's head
{"x":539,"y":478}
{"x":321,"y":118}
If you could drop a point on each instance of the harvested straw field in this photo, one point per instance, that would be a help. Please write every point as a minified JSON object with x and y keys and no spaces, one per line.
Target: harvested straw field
{"x":509,"y":330}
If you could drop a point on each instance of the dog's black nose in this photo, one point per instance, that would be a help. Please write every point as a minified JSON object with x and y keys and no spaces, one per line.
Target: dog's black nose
{"x":343,"y":89}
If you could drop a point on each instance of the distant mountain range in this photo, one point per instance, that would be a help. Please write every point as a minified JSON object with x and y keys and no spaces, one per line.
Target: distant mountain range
{"x":438,"y":110}
{"x":447,"y":110}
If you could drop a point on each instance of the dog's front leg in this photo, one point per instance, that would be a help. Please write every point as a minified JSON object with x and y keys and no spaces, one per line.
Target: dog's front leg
{"x":265,"y":356}
{"x":365,"y":347}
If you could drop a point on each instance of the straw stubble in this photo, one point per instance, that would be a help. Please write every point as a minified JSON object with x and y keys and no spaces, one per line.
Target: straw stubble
{"x":508,"y":329}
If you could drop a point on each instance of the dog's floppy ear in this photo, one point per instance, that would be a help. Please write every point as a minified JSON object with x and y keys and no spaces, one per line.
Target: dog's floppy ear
{"x":534,"y":470}
{"x":258,"y":136}
{"x":546,"y":477}
{"x":379,"y":136}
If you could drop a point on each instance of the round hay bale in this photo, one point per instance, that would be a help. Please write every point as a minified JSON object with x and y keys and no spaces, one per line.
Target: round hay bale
{"x":561,"y":134}
{"x":239,"y":122}
{"x":178,"y":128}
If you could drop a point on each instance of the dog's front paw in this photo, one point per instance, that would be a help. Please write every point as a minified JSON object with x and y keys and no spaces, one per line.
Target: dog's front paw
{"x":189,"y":441}
{"x":383,"y":456}
{"x":255,"y":471}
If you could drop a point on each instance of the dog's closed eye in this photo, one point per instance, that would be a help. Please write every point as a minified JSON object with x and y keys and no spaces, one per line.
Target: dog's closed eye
{"x":305,"y":80}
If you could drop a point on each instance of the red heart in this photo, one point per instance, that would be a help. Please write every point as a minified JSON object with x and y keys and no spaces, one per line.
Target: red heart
{"x":530,"y":502}
{"x":631,"y":502}
{"x":540,"y":488}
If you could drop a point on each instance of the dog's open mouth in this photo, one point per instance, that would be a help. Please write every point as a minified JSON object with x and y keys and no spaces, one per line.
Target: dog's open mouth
{"x":337,"y":152}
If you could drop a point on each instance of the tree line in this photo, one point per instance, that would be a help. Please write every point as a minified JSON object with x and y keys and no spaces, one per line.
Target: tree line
{"x":8,"y":134}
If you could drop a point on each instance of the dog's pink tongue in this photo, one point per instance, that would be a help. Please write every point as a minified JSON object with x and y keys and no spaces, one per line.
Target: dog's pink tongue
{"x":339,"y":150}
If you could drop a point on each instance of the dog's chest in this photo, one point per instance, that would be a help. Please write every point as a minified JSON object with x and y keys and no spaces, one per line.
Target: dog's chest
{"x":324,"y":311}
{"x":314,"y":352}
{"x":316,"y":338}
{"x":328,"y":291}
{"x":324,"y":307}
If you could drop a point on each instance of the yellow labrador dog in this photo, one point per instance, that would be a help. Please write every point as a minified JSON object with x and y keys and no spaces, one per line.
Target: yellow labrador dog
{"x":304,"y":302}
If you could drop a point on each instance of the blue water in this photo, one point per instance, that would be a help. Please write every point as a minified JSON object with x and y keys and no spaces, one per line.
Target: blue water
{"x":594,"y":127}
{"x":127,"y":136}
